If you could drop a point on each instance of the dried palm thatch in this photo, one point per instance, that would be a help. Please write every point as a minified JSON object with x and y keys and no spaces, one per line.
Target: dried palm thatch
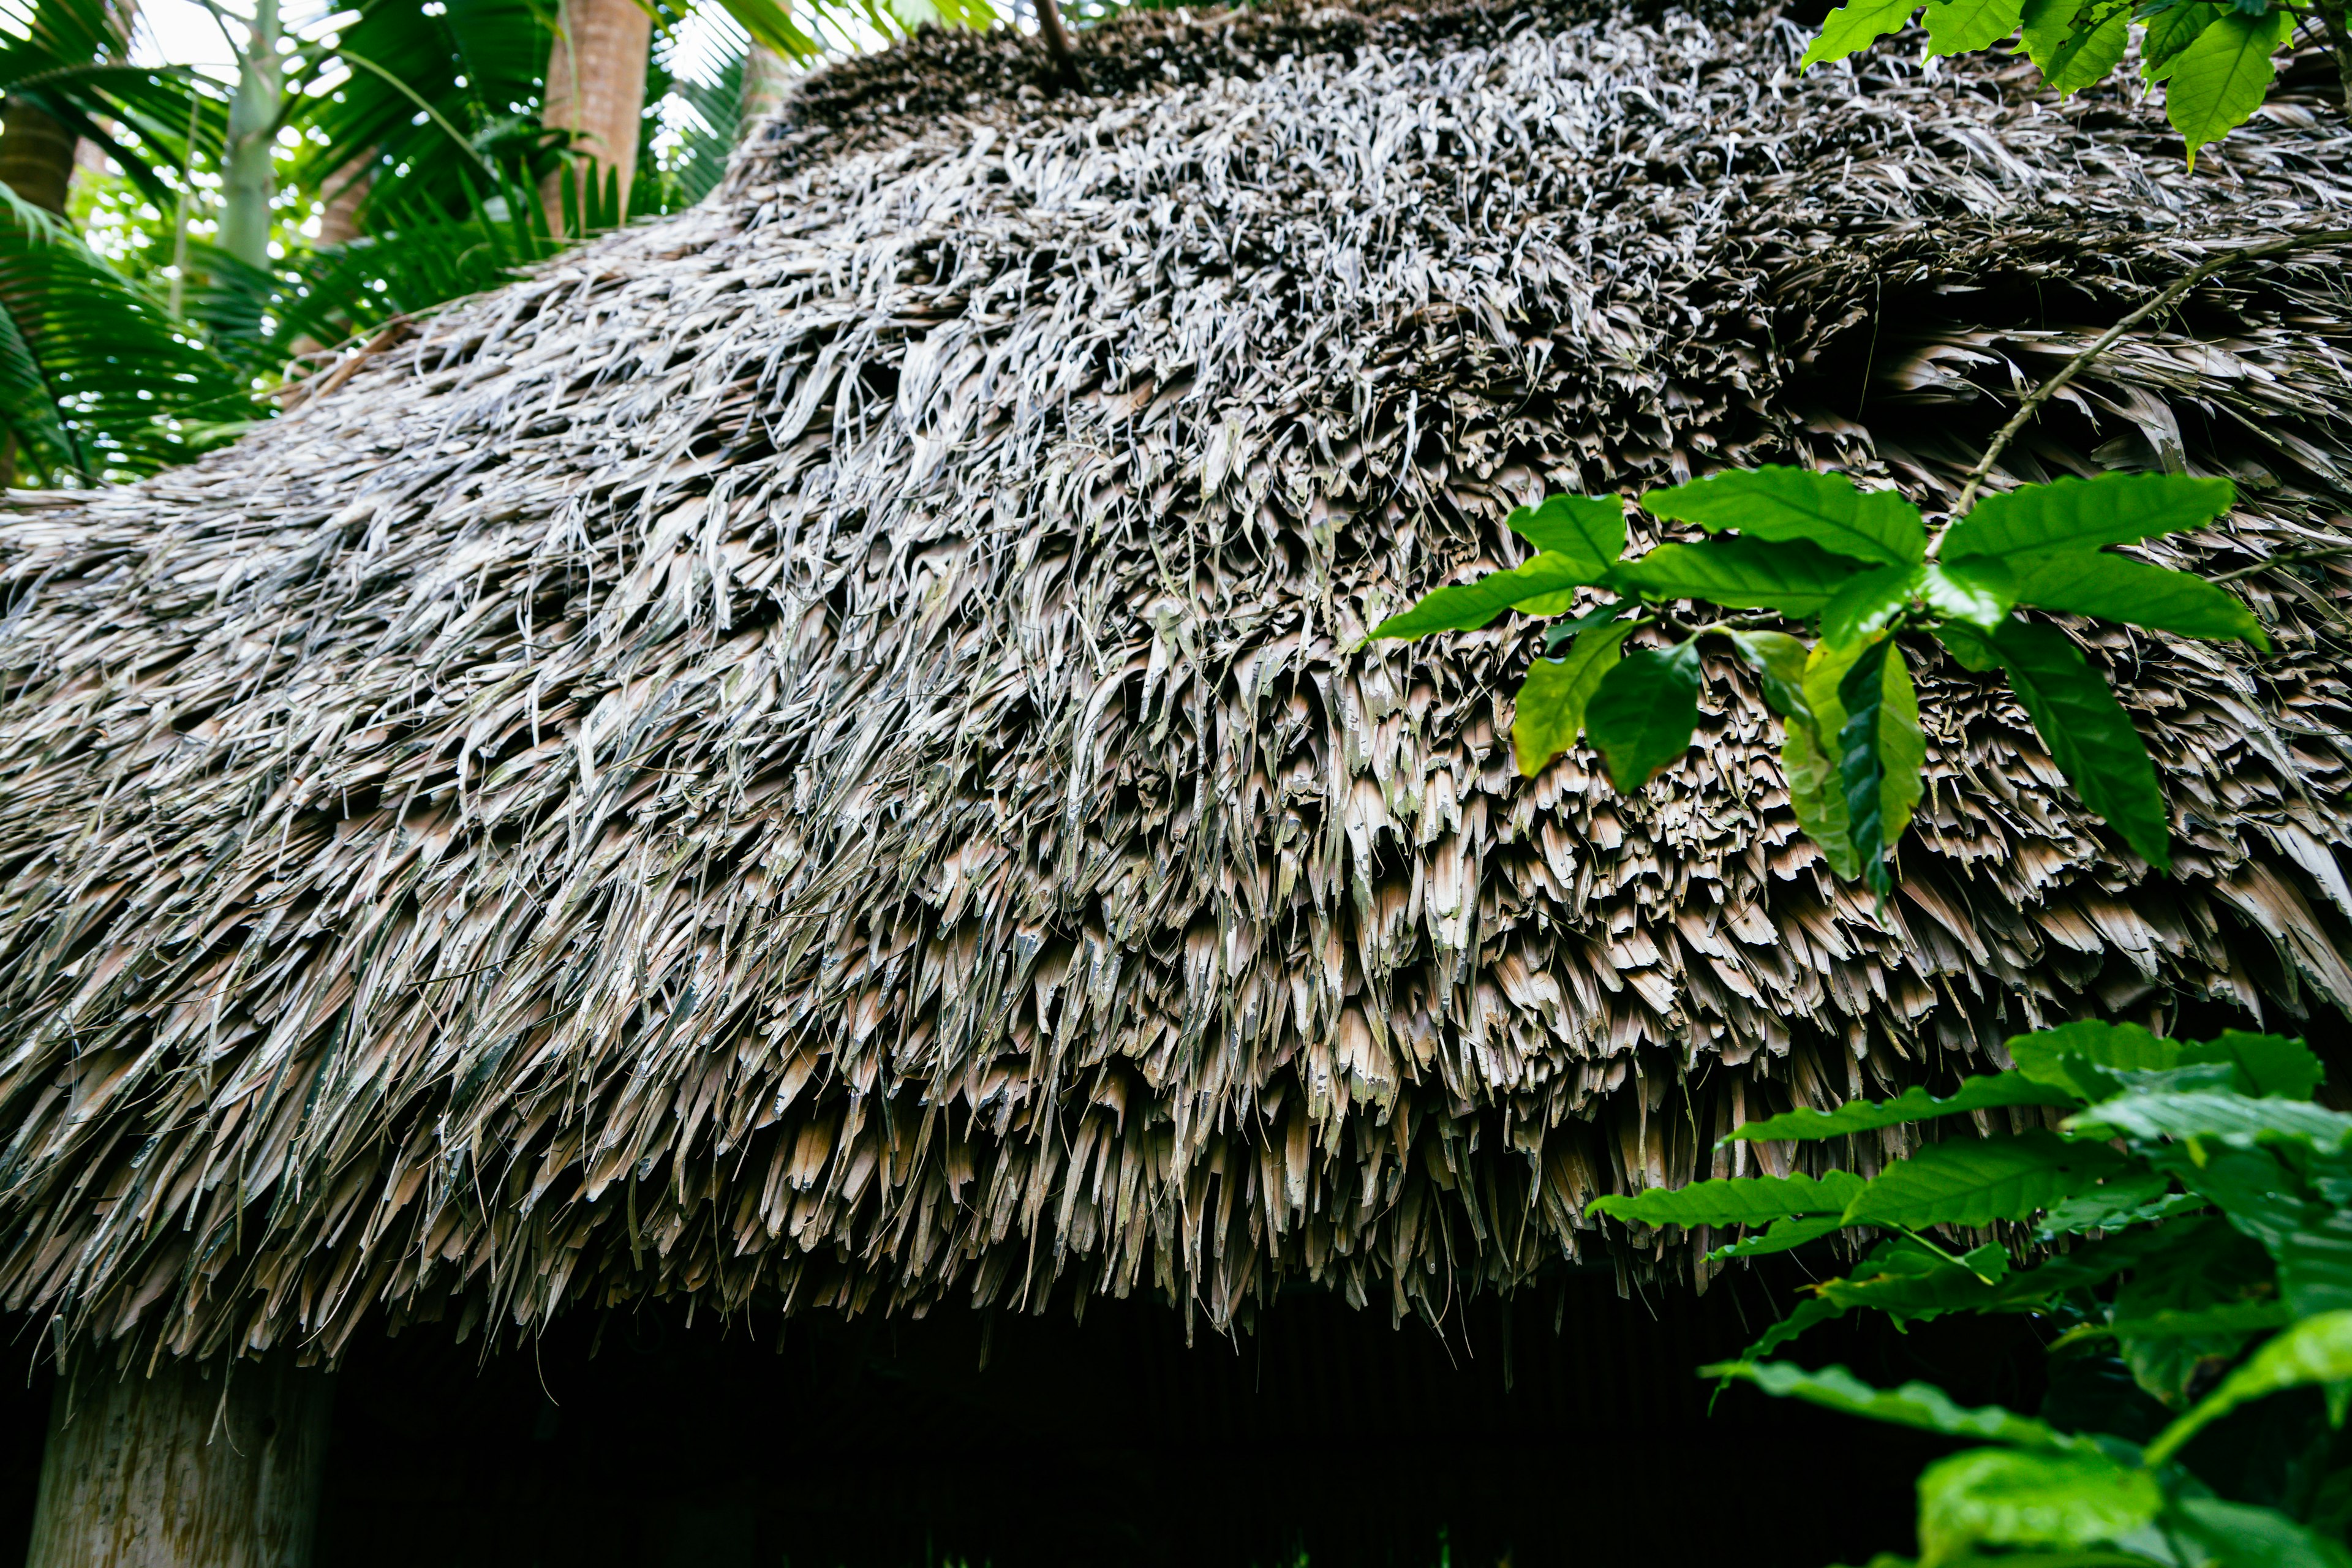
{"x":818,"y":753}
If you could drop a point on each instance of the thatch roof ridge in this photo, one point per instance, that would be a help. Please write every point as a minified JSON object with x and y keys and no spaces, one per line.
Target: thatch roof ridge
{"x":817,"y":752}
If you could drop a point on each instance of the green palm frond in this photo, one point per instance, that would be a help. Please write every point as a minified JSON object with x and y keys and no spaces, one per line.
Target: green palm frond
{"x":96,"y":379}
{"x":65,"y":56}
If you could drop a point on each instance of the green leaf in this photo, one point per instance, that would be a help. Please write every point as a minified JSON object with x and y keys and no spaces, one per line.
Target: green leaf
{"x":2089,"y":735}
{"x":2234,"y":1118}
{"x":1549,"y":713}
{"x":2242,"y":1535}
{"x":1736,"y":1200}
{"x":2003,"y":1497}
{"x":1807,"y":1314}
{"x":2073,"y":42}
{"x":1881,"y":751}
{"x":2219,"y":80}
{"x":1869,"y":603}
{"x":2317,"y":1350}
{"x":2048,"y":1055}
{"x":2125,"y":1198}
{"x":1467,"y":606}
{"x":2114,"y":509}
{"x":1971,"y":648}
{"x":1977,"y":592}
{"x":2177,"y":1323}
{"x":1817,"y":797}
{"x":1740,"y":573}
{"x":1911,"y":1105}
{"x":1851,"y":29}
{"x":1587,"y":530}
{"x":2115,"y":589}
{"x":1555,"y":635}
{"x":1640,"y":716}
{"x":2171,"y":30}
{"x":1920,"y":1405}
{"x":1782,"y":504}
{"x":1956,"y":26}
{"x":2261,"y":1198}
{"x":1780,"y":660}
{"x":2267,"y":1065}
{"x":1784,"y":1234}
{"x":1976,"y":1181}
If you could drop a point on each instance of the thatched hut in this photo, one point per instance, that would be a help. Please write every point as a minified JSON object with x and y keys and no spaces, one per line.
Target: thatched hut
{"x":820,"y":753}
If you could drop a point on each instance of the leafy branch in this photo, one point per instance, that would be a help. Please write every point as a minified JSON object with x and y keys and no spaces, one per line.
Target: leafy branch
{"x":1858,"y":569}
{"x":2203,"y":1196}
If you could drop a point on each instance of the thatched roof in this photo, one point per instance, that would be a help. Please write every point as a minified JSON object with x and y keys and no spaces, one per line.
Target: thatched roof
{"x":818,"y":752}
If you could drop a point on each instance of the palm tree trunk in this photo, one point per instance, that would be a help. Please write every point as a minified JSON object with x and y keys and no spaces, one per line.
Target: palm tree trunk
{"x":36,"y":154}
{"x":347,"y":188}
{"x":250,"y":182}
{"x":596,"y":88}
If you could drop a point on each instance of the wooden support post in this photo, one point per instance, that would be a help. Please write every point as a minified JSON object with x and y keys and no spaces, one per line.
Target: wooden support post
{"x":162,"y":1472}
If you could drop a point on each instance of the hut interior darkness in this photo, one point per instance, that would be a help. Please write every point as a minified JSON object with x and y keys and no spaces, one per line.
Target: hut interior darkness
{"x":816,"y":757}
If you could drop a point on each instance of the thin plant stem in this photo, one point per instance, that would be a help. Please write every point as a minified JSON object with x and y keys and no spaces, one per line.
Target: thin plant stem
{"x":2107,"y":340}
{"x":1057,"y":40}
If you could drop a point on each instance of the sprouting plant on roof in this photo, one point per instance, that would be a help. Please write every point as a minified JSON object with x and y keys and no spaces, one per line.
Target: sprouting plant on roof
{"x":1861,"y":571}
{"x":2214,"y":58}
{"x":2205,"y":1297}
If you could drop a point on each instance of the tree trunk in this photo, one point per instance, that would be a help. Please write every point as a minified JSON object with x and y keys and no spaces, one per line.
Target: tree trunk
{"x":36,"y":154}
{"x":249,"y":183}
{"x":765,"y":76}
{"x":2339,"y":44}
{"x":346,"y":189}
{"x":164,"y":1472}
{"x":596,"y":86}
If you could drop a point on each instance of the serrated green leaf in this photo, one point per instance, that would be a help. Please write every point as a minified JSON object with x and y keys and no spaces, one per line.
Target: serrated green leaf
{"x":1780,"y":660}
{"x":1739,"y":573}
{"x":1911,"y":1105}
{"x":1465,"y":606}
{"x":2236,"y":1118}
{"x":1640,"y":716}
{"x":1976,"y":1181}
{"x":1782,"y":504}
{"x":1868,"y":602}
{"x":2116,"y":588}
{"x":2114,"y":509}
{"x":1734,"y":1200}
{"x":1851,"y":29}
{"x":1977,"y":592}
{"x":2169,"y":31}
{"x":1549,"y":713}
{"x":1919,"y":1405}
{"x":2089,"y":735}
{"x":1587,"y":530}
{"x":2317,"y":1350}
{"x":2004,"y":1497}
{"x":1783,"y":1236}
{"x":1956,"y":26}
{"x":2219,"y":80}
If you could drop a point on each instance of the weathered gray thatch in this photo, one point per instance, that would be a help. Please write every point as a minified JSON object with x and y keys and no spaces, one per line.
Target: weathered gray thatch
{"x":817,"y":752}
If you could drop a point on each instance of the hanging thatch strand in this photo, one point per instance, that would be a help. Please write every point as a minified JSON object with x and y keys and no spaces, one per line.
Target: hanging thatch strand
{"x":818,"y":751}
